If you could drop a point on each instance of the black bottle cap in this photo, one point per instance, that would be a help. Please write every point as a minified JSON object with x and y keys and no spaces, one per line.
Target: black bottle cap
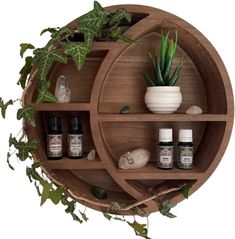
{"x":55,"y":123}
{"x":75,"y":123}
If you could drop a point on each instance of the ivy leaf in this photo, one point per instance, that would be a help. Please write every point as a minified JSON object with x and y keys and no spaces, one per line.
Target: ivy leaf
{"x":24,"y":47}
{"x":25,"y":71}
{"x":140,"y":229}
{"x":33,"y":174}
{"x":4,"y":106}
{"x":107,"y":216}
{"x":45,"y":192}
{"x":84,"y":216}
{"x":8,"y":161}
{"x":49,"y":29}
{"x":115,"y":206}
{"x":116,"y":33}
{"x":165,"y":208}
{"x":185,"y":191}
{"x":120,"y":14}
{"x":45,"y":96}
{"x":12,"y":140}
{"x":78,"y":52}
{"x":56,"y":195}
{"x":27,"y":113}
{"x":44,"y":59}
{"x":97,"y":6}
{"x":24,"y":148}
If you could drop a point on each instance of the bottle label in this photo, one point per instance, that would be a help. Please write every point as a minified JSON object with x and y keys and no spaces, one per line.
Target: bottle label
{"x":75,"y":145}
{"x":165,"y":159}
{"x":54,"y":145}
{"x":185,"y":157}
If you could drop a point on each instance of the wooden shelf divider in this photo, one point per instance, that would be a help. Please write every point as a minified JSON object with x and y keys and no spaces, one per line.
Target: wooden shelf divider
{"x":160,"y":117}
{"x":67,"y":163}
{"x":62,"y":107}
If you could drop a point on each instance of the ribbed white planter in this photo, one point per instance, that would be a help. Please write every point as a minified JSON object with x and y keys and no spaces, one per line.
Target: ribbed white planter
{"x":163,"y":99}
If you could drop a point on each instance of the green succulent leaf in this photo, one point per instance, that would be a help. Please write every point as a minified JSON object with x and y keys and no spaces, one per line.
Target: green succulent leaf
{"x":176,"y":73}
{"x":27,"y":113}
{"x":163,"y":51}
{"x":44,"y":59}
{"x":140,"y":229}
{"x":78,"y":53}
{"x":24,"y":47}
{"x":156,"y":67}
{"x":165,"y":208}
{"x":4,"y":106}
{"x":45,"y":192}
{"x":120,"y":14}
{"x":25,"y":71}
{"x":185,"y":191}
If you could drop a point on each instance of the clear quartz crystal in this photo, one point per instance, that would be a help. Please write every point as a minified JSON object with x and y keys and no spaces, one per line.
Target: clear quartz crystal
{"x":62,"y":90}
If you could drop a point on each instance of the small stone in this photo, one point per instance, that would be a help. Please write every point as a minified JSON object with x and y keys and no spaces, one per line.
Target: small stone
{"x":194,"y":110}
{"x":125,"y":110}
{"x":91,"y":155}
{"x":99,"y":193}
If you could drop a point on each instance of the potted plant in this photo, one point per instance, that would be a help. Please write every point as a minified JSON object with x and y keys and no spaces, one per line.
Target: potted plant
{"x":162,"y":95}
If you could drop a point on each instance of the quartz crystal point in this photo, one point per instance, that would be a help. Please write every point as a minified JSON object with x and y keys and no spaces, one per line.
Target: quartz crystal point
{"x":62,"y":91}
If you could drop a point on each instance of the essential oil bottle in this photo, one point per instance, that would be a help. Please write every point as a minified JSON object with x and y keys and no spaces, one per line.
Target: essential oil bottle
{"x":165,"y":159}
{"x":75,"y":136}
{"x":185,"y":149}
{"x":54,"y":138}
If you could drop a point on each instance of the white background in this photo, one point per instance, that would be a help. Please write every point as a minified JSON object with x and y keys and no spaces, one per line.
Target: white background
{"x":208,"y":213}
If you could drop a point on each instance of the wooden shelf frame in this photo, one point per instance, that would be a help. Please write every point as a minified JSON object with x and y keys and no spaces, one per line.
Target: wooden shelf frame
{"x":115,"y":80}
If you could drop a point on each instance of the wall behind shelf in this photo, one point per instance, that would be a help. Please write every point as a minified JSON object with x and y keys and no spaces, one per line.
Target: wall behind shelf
{"x":200,"y":216}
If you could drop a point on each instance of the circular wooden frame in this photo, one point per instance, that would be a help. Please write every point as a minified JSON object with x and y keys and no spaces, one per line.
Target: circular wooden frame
{"x":112,"y":78}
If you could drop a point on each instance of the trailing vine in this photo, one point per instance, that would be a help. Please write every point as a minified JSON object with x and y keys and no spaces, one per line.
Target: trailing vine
{"x":94,"y":25}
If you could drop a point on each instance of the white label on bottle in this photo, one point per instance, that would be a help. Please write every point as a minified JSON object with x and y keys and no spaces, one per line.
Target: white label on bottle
{"x":165,"y":159}
{"x":185,"y":157}
{"x":75,"y":145}
{"x":54,"y":145}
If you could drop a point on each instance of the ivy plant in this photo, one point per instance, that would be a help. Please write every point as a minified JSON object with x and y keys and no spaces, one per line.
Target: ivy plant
{"x":96,"y":24}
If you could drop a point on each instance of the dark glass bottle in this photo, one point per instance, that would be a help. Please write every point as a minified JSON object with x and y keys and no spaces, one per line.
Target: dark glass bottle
{"x":165,"y":158}
{"x":185,"y":149}
{"x":75,"y":136}
{"x":54,"y":139}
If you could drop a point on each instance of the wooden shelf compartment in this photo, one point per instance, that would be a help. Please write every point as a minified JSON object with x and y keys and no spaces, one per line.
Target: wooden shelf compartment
{"x":80,"y":183}
{"x":80,"y":82}
{"x":88,"y":143}
{"x":198,"y":87}
{"x":207,"y":137}
{"x":62,"y":106}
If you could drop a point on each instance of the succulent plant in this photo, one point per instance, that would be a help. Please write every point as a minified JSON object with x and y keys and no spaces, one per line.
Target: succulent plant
{"x":163,"y":72}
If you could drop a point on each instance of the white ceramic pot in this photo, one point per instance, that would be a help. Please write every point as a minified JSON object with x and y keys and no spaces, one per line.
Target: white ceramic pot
{"x":163,"y":99}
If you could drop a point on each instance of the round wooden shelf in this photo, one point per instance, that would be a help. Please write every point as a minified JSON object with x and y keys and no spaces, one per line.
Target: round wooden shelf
{"x":112,"y":78}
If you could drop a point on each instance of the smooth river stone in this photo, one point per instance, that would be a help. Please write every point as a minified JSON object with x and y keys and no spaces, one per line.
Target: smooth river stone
{"x":194,"y":110}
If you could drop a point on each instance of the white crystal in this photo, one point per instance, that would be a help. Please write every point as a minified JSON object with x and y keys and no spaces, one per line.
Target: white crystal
{"x":194,"y":110}
{"x":137,"y":158}
{"x":62,"y":91}
{"x":91,"y":155}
